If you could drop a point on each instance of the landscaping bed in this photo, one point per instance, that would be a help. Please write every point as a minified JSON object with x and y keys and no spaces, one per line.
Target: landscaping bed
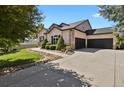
{"x":58,"y":46}
{"x":23,"y":59}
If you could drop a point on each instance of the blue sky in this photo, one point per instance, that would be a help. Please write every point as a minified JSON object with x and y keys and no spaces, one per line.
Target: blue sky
{"x":73,"y":13}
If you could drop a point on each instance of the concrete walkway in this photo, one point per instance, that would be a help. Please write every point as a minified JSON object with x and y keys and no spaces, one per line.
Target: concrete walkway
{"x":54,"y":52}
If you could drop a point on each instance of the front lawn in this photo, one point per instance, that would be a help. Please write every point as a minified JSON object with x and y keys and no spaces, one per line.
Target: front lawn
{"x":18,"y":58}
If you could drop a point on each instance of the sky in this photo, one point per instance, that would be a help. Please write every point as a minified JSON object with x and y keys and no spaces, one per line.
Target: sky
{"x":72,"y":13}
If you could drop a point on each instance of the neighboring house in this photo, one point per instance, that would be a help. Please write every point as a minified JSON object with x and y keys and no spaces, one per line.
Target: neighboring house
{"x":79,"y":35}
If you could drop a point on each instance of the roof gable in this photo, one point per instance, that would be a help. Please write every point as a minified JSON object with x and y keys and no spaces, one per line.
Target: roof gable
{"x":64,"y":26}
{"x":54,"y":25}
{"x":43,"y":31}
{"x":73,"y":25}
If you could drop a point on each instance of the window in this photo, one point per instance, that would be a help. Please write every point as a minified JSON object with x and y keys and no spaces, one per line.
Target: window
{"x":41,"y":38}
{"x":54,"y":39}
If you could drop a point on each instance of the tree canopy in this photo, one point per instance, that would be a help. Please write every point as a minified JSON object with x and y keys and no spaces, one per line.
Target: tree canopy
{"x":19,"y":22}
{"x":114,"y":13}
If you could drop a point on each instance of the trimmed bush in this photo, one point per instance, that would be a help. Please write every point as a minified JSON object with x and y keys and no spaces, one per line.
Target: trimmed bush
{"x":60,"y":43}
{"x":44,"y":43}
{"x":52,"y":47}
{"x":47,"y":47}
{"x":69,"y":48}
{"x":48,"y":43}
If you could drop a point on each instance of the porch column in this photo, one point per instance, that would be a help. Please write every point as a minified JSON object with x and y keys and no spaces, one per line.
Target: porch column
{"x":72,"y":39}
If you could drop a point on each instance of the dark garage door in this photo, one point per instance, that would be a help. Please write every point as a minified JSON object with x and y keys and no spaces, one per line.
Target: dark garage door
{"x":100,"y":43}
{"x":79,"y":43}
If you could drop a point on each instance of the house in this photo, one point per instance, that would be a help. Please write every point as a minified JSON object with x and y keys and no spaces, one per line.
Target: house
{"x":79,"y":35}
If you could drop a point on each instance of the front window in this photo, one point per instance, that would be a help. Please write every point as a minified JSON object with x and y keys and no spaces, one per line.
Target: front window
{"x":54,"y":39}
{"x":41,"y":38}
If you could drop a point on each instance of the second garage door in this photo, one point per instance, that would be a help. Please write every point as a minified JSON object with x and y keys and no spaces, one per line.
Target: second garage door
{"x":100,"y":43}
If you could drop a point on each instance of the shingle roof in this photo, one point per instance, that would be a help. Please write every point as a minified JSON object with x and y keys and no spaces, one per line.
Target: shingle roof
{"x":47,"y":30}
{"x":100,"y":31}
{"x":64,"y":24}
{"x":72,"y":25}
{"x":54,"y":25}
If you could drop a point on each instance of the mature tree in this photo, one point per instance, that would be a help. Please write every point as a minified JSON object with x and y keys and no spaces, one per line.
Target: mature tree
{"x":119,"y":39}
{"x":18,"y":23}
{"x":115,"y":13}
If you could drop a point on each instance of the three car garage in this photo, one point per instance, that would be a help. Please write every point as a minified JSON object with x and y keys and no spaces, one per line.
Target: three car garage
{"x":96,"y":38}
{"x":104,"y":43}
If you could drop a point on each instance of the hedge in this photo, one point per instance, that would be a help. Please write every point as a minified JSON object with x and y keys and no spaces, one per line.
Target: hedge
{"x":43,"y":45}
{"x":52,"y":47}
{"x":47,"y":47}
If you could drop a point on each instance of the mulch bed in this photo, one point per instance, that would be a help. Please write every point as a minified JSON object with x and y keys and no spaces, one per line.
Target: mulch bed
{"x":48,"y":58}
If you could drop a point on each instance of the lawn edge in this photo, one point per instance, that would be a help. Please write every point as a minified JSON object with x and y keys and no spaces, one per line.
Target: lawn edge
{"x":47,"y":58}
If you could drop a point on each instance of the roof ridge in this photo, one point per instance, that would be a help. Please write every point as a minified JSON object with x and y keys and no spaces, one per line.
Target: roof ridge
{"x":78,"y":21}
{"x":64,"y":24}
{"x":103,"y":27}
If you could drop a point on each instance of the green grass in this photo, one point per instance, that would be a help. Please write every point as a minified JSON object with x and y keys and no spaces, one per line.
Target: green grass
{"x":18,"y":58}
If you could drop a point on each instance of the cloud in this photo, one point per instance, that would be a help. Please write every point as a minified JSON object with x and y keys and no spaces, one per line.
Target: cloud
{"x":96,"y":15}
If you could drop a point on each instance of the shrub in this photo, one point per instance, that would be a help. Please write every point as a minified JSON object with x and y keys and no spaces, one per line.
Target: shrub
{"x":68,"y":47}
{"x":7,"y":45}
{"x":44,"y":43}
{"x":69,"y":50}
{"x":60,"y":43}
{"x":48,"y":43}
{"x":52,"y":47}
{"x":63,"y":50}
{"x":47,"y":47}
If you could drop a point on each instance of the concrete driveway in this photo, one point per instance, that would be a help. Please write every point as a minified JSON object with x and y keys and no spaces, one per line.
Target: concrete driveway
{"x":43,"y":75}
{"x":103,"y":67}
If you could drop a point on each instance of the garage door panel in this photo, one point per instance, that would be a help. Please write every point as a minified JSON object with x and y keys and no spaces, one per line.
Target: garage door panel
{"x":100,"y":43}
{"x":79,"y":43}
